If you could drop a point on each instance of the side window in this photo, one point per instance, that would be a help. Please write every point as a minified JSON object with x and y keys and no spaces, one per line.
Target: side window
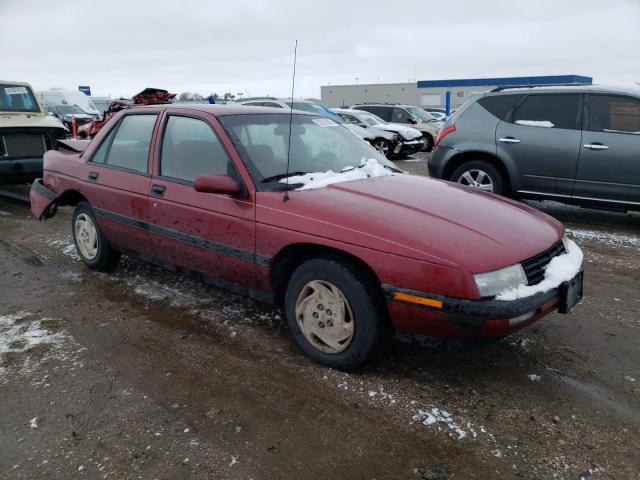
{"x":550,"y":111}
{"x":382,"y":112}
{"x":499,"y":105}
{"x":400,"y":115}
{"x":130,"y":145}
{"x":610,"y":113}
{"x":101,"y":154}
{"x":254,"y":104}
{"x":350,"y":118}
{"x":190,"y":148}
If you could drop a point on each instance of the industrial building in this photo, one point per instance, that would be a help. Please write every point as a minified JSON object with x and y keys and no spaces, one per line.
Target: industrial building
{"x":433,"y":93}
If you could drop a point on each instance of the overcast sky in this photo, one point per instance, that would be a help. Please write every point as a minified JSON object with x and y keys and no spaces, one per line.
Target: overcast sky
{"x":119,"y":47}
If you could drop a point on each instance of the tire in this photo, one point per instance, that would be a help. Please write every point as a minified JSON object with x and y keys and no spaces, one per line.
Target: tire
{"x":355,"y":333}
{"x":91,"y":244}
{"x":480,"y":174}
{"x":382,"y":146}
{"x":429,"y":145}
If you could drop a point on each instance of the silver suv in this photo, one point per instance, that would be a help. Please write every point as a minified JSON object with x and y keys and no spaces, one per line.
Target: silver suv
{"x":574,"y":144}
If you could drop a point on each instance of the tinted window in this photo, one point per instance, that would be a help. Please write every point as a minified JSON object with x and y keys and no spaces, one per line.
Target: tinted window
{"x":190,"y":147}
{"x":272,"y":104}
{"x":561,"y":110}
{"x":382,"y":112}
{"x":400,"y":115}
{"x":610,"y":113}
{"x":130,"y":146}
{"x":499,"y":105}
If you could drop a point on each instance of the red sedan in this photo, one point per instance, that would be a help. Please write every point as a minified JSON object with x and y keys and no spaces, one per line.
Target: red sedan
{"x":347,"y":244}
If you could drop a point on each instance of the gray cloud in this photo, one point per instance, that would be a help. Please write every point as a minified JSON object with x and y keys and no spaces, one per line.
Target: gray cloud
{"x":120,"y":47}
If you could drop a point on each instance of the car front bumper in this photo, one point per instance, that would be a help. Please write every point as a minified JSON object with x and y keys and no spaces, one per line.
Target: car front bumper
{"x":447,"y":317}
{"x":412,"y":146}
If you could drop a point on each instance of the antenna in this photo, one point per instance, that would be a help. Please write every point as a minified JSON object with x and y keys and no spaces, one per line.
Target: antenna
{"x":293,"y":86}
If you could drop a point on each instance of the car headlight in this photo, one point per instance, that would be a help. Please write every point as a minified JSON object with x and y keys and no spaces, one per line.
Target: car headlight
{"x":493,"y":283}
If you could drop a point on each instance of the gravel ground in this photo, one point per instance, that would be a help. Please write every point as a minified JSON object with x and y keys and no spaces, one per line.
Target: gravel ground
{"x":144,"y":374}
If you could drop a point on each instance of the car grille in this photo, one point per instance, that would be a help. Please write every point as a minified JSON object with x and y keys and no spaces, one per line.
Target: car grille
{"x":23,"y":144}
{"x":534,"y":266}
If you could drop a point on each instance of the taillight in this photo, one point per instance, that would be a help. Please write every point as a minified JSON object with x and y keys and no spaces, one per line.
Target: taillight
{"x":444,"y":132}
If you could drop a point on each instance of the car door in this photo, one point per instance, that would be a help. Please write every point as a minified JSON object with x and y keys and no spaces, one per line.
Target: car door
{"x":539,"y":141}
{"x":118,"y":180}
{"x":205,"y":232}
{"x":609,"y":164}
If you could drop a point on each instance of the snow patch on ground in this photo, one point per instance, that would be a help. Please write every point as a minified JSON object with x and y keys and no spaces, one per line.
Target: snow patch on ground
{"x":367,"y":169}
{"x":534,"y":378}
{"x":536,"y":123}
{"x":20,"y":333}
{"x":436,"y":415}
{"x":605,"y":237}
{"x":66,"y":246}
{"x":560,"y":269}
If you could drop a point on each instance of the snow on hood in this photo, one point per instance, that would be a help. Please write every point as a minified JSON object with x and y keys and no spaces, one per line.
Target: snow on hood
{"x":560,"y":269}
{"x":407,"y":132}
{"x":367,"y":169}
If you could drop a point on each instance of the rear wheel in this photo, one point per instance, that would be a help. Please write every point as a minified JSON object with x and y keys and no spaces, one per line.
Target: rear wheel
{"x":480,"y":174}
{"x":383,"y":146}
{"x":334,"y":313}
{"x":90,"y":242}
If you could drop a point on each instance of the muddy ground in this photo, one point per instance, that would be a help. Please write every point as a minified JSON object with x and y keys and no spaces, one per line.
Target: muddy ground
{"x":144,"y":374}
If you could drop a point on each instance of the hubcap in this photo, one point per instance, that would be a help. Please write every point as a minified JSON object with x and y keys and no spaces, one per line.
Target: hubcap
{"x":382,"y":147}
{"x":86,"y":236}
{"x":478,"y":179}
{"x":324,"y":317}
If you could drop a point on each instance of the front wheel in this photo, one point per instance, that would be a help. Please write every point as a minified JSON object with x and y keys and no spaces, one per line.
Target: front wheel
{"x":334,"y":313}
{"x":382,"y":146}
{"x":90,"y":242}
{"x":480,"y":174}
{"x":428,"y":142}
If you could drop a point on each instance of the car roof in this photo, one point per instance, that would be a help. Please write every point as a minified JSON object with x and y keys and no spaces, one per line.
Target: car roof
{"x":216,"y":110}
{"x":567,"y":89}
{"x":17,"y":84}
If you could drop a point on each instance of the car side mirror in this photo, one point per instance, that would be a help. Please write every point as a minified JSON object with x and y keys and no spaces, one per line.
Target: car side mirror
{"x":222,"y":184}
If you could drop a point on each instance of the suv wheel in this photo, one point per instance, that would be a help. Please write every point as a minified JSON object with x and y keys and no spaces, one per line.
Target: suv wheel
{"x":383,"y":146}
{"x":479,"y":174}
{"x":334,"y":313}
{"x":91,"y":244}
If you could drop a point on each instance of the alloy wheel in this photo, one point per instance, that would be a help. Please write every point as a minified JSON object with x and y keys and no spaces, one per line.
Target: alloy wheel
{"x":478,"y":179}
{"x":86,"y":236}
{"x":382,"y":146}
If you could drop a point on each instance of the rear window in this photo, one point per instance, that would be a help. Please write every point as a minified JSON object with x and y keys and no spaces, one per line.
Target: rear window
{"x":17,"y":98}
{"x":551,"y":111}
{"x":499,"y":105}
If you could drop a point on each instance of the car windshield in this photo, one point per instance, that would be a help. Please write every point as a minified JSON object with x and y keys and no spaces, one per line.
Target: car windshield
{"x":318,"y":144}
{"x":17,"y":98}
{"x":421,"y":114}
{"x":371,"y":119}
{"x":69,"y":109}
{"x":315,"y":108}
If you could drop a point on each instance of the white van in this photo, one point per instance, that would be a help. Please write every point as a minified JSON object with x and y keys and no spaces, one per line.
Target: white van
{"x":56,"y":96}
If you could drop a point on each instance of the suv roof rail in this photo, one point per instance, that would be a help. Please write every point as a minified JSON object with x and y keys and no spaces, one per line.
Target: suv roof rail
{"x":530,"y":85}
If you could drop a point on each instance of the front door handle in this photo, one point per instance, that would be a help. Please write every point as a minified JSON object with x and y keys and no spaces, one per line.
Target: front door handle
{"x":509,"y":140}
{"x":93,"y":176}
{"x":596,"y":146}
{"x":158,"y":190}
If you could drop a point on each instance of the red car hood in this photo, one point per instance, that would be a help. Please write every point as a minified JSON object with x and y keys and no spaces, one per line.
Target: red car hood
{"x":417,"y":217}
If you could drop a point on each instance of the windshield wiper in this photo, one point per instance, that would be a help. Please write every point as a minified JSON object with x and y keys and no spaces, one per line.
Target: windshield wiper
{"x":280,"y":176}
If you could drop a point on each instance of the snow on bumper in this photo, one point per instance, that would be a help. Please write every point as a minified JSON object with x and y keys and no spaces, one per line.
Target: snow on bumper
{"x":561,"y":269}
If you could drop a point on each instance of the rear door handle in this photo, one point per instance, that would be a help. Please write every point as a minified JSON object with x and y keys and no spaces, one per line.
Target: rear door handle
{"x":509,"y":140}
{"x":158,"y":190}
{"x":596,"y":146}
{"x":93,"y":176}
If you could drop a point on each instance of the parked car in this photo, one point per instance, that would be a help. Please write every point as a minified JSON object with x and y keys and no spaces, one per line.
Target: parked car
{"x":67,"y":113}
{"x":574,"y":144}
{"x":407,"y":115}
{"x":25,"y":133}
{"x":211,"y":189}
{"x":311,"y":107}
{"x":406,"y":140}
{"x":58,"y":96}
